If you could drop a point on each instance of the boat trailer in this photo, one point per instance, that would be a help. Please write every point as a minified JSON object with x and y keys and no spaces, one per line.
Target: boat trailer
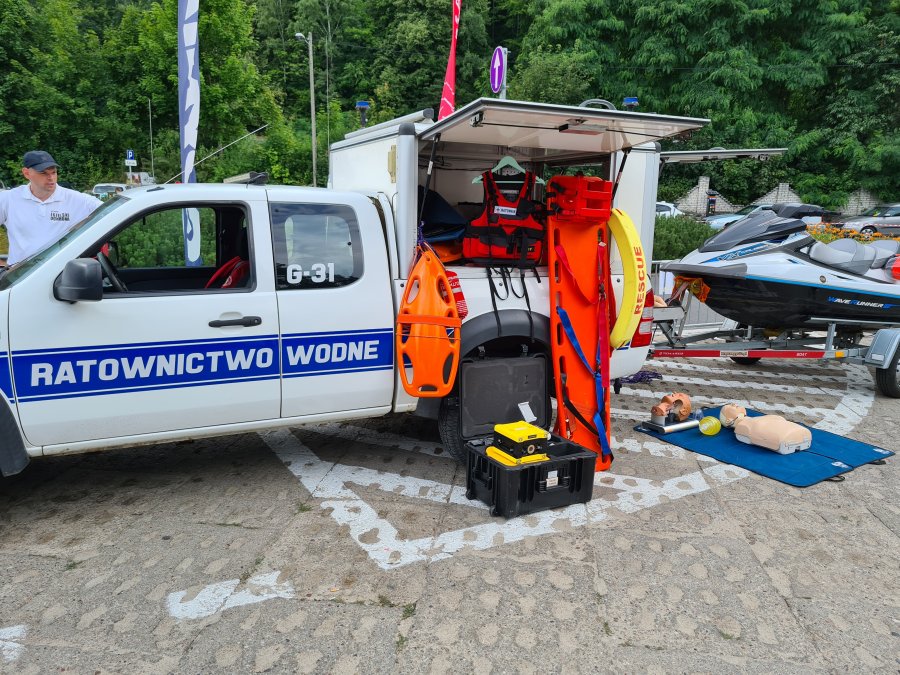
{"x":746,"y":345}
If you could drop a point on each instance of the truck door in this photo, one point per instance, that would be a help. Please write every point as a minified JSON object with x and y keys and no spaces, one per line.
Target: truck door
{"x":335,"y":306}
{"x":160,"y":351}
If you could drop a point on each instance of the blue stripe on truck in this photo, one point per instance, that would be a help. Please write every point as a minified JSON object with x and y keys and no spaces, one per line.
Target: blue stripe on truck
{"x":118,"y":369}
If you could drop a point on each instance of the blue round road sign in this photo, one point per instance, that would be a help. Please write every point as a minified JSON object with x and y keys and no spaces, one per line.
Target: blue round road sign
{"x":498,"y":68}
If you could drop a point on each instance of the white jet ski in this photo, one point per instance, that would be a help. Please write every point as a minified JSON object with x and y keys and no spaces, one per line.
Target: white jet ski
{"x":766,"y":271}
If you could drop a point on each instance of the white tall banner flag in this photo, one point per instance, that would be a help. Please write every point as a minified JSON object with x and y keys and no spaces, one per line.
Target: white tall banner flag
{"x":189,"y":116}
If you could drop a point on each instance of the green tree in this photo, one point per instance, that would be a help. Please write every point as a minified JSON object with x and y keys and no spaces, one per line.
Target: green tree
{"x":858,"y":135}
{"x":412,"y":42}
{"x":49,"y":89}
{"x":18,"y":25}
{"x":677,"y":236}
{"x":234,"y":97}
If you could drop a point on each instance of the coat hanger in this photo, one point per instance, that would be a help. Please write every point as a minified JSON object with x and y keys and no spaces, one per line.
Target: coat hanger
{"x":507,"y":161}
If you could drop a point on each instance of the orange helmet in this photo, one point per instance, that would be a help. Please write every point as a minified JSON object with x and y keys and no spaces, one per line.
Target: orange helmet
{"x":448,"y":251}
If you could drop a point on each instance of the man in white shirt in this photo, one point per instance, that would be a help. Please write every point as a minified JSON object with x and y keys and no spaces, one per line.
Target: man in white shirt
{"x":39,"y":213}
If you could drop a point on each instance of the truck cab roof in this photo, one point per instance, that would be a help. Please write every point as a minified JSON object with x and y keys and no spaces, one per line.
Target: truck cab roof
{"x":229,"y":191}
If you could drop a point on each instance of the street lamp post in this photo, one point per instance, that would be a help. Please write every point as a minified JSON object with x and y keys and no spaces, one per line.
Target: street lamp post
{"x":308,"y":39}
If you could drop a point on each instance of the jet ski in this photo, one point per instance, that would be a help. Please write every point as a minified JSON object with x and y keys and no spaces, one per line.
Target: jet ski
{"x":765,"y":271}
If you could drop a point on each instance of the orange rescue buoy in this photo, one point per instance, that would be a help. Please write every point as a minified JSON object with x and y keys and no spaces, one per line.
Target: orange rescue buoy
{"x":428,"y":331}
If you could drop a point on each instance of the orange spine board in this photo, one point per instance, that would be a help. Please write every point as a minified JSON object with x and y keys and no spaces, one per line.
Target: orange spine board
{"x":578,"y":228}
{"x":428,"y":331}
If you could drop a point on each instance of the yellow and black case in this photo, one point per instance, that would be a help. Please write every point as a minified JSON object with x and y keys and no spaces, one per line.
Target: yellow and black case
{"x":520,"y":439}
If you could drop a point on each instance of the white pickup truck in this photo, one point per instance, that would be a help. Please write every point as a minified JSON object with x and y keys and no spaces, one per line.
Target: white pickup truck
{"x":112,"y":340}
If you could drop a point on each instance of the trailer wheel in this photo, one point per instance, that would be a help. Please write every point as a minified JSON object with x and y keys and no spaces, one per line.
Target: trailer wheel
{"x":746,"y":360}
{"x":888,"y":379}
{"x":448,"y":428}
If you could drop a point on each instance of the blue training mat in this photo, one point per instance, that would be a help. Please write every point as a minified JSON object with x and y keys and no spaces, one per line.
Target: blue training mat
{"x":828,"y":456}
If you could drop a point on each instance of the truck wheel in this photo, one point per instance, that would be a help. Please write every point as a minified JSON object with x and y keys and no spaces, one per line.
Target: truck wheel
{"x":745,"y":360}
{"x":448,"y":428}
{"x":888,"y":379}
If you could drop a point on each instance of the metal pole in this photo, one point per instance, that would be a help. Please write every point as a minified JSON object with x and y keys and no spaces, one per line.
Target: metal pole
{"x":505,"y":68}
{"x":150,"y":117}
{"x":312,"y":106}
{"x":308,"y":39}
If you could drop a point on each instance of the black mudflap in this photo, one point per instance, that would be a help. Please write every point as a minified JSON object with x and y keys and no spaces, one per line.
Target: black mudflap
{"x":13,"y":457}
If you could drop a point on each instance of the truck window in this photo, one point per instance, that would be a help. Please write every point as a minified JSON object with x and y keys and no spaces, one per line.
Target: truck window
{"x":315,"y":246}
{"x":148,"y":255}
{"x":157,"y":240}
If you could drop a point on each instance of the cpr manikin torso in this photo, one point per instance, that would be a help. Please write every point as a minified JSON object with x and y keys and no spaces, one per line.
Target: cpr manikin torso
{"x":773,"y":432}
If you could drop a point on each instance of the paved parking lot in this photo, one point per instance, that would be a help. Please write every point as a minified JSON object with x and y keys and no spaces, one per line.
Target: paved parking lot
{"x":352,"y":548}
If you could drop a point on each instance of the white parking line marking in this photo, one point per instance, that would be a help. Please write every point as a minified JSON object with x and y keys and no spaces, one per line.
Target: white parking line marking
{"x":10,"y":647}
{"x":332,"y":482}
{"x":712,"y":401}
{"x":223,"y":595}
{"x":694,"y":367}
{"x":406,"y":486}
{"x":853,"y":406}
{"x":766,"y":386}
{"x":370,"y":437}
{"x":328,"y":481}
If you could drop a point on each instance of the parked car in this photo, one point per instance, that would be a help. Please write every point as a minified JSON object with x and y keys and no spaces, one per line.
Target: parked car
{"x":104,"y":191}
{"x":884,"y":219}
{"x":719,"y":220}
{"x":667,"y":210}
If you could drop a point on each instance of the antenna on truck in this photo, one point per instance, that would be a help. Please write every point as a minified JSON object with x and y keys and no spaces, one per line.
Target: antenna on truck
{"x":218,"y":151}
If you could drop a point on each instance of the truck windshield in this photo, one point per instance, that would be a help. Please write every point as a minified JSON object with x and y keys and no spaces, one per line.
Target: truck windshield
{"x":22,"y":269}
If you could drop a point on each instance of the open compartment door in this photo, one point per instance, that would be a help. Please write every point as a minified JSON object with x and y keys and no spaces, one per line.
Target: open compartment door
{"x":555,"y":133}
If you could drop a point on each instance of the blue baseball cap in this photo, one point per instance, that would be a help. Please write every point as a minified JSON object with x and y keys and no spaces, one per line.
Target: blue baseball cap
{"x":38,"y":160}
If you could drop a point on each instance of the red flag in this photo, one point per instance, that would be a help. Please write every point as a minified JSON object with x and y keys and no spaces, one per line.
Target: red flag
{"x":448,"y":95}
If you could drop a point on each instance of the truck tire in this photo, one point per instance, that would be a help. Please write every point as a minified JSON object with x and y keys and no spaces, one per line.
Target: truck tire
{"x":888,"y":379}
{"x":745,"y":360}
{"x":448,"y":428}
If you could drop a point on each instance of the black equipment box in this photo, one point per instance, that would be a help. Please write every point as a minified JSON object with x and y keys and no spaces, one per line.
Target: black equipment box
{"x":566,"y":477}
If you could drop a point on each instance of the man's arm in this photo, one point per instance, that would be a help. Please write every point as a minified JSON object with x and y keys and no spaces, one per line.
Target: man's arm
{"x":4,"y":201}
{"x":92,"y":203}
{"x":89,"y":204}
{"x":4,"y":209}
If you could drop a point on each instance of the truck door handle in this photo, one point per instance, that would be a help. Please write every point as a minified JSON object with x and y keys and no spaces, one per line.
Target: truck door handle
{"x":243,"y":321}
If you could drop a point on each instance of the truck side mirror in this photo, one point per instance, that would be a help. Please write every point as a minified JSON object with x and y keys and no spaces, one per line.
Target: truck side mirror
{"x":81,"y":279}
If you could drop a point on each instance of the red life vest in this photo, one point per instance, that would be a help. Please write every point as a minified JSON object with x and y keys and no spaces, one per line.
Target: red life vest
{"x":507,"y":232}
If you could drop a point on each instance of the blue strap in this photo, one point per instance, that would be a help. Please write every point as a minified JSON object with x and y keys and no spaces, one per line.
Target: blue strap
{"x":567,"y":326}
{"x":599,"y":427}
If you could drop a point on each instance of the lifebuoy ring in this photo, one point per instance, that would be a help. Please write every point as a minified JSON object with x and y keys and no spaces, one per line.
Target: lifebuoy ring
{"x":634,"y":289}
